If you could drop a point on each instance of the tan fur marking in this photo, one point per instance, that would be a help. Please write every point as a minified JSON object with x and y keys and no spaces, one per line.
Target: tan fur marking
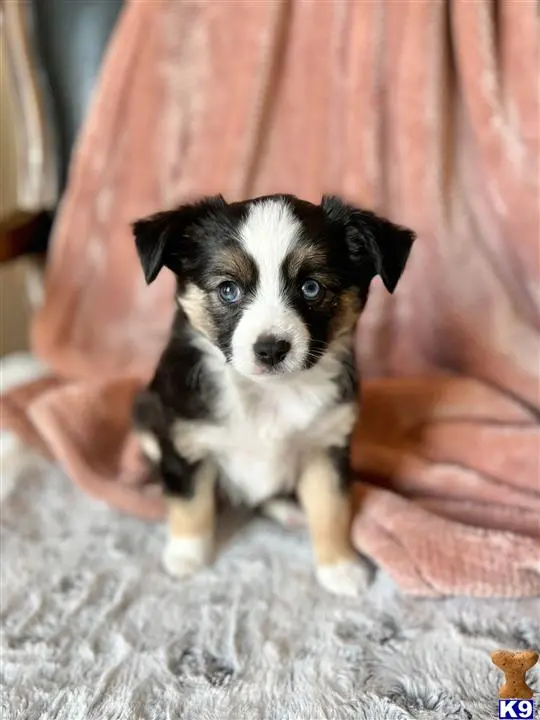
{"x":328,"y":512}
{"x":305,"y":254}
{"x":347,"y":314}
{"x":235,"y":263}
{"x":194,"y":303}
{"x":194,"y":517}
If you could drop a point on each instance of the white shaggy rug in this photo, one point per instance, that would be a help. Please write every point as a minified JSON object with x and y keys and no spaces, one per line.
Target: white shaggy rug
{"x":93,"y":629}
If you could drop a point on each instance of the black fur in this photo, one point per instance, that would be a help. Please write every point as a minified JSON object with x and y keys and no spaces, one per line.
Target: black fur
{"x":172,"y":239}
{"x":339,"y":457}
{"x":182,"y":382}
{"x":348,"y":381}
{"x":179,"y":477}
{"x":375,"y":245}
{"x":181,"y":388}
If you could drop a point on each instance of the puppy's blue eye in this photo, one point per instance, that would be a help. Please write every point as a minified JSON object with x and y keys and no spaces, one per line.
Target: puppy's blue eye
{"x":229,"y":292}
{"x":311,"y":289}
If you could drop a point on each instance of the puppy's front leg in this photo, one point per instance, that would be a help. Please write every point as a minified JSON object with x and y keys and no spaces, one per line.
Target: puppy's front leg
{"x":190,"y":501}
{"x":325,"y":497}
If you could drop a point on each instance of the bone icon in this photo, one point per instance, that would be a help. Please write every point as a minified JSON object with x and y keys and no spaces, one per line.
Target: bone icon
{"x":514,"y":666}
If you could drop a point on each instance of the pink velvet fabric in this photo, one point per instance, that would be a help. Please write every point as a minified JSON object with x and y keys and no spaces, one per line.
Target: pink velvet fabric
{"x":425,"y":110}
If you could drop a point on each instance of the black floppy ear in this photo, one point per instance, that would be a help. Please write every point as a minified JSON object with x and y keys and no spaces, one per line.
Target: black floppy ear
{"x":152,"y":235}
{"x":372,"y":239}
{"x":162,"y":240}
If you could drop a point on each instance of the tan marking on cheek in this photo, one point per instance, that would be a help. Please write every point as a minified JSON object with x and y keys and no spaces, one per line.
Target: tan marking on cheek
{"x":194,"y":517}
{"x":193,"y":302}
{"x":346,"y":315}
{"x":328,"y":510}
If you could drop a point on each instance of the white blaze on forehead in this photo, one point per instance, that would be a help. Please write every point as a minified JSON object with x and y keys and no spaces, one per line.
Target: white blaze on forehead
{"x":268,"y":234}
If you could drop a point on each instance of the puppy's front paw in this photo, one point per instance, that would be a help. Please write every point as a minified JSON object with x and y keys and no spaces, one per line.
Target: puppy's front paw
{"x":183,"y":556}
{"x":349,"y":577}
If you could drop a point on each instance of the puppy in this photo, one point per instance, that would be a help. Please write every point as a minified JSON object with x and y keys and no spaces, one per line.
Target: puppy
{"x":257,"y":386}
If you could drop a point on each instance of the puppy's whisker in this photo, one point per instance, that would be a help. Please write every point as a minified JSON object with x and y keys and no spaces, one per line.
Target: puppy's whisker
{"x":316,"y":353}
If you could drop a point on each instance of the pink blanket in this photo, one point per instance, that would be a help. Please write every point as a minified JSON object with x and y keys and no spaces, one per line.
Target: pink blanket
{"x":425,"y":110}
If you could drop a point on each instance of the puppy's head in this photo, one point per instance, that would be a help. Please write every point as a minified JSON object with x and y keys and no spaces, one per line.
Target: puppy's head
{"x":275,"y":282}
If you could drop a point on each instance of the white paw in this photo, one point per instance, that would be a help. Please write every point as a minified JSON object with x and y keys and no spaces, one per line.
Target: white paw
{"x":345,"y":578}
{"x":183,"y":556}
{"x":285,"y":512}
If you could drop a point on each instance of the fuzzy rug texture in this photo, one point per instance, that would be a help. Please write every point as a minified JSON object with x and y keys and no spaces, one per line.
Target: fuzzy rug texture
{"x":93,"y":629}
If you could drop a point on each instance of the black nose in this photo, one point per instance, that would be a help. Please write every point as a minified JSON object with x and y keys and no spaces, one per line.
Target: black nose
{"x":270,"y":350}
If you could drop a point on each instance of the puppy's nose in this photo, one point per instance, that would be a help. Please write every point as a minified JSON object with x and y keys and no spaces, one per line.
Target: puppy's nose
{"x":271,"y":350}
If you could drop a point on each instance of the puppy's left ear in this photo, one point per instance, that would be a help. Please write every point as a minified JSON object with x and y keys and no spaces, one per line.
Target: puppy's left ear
{"x":372,"y":241}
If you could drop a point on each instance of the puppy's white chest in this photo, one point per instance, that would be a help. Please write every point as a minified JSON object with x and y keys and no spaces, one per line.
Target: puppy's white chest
{"x":264,"y":436}
{"x":257,"y":469}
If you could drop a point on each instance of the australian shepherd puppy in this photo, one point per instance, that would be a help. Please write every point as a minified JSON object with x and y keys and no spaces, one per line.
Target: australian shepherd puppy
{"x":257,"y":387}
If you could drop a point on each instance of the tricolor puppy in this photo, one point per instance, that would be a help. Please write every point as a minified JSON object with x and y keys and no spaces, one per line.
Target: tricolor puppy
{"x":257,"y":388}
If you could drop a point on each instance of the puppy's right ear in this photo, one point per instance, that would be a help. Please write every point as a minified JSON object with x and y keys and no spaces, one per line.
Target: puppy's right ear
{"x":152,"y":235}
{"x":163,"y":239}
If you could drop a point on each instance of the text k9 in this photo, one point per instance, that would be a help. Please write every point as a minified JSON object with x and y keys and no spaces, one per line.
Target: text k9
{"x":516,"y":709}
